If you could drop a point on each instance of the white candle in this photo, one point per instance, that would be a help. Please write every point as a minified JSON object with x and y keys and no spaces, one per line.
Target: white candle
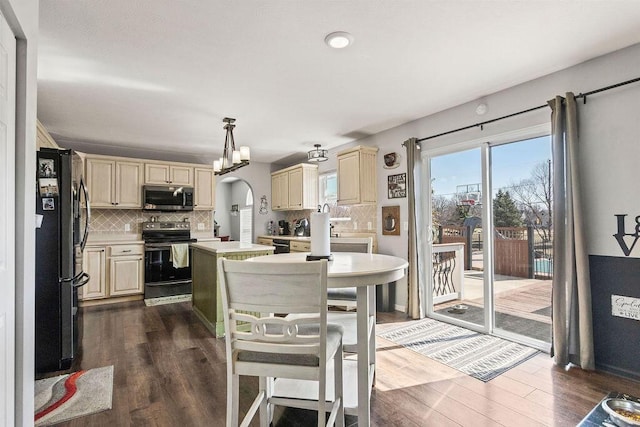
{"x":245,"y":153}
{"x":235,"y":157}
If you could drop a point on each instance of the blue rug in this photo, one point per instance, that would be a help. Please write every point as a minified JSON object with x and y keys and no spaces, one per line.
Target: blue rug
{"x":481,"y":356}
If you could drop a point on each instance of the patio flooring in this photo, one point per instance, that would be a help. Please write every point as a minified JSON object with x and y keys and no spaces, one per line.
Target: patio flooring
{"x":522,"y":305}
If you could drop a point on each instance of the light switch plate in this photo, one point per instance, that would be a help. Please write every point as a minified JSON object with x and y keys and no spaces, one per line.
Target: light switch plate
{"x":405,"y":225}
{"x":200,"y":226}
{"x":369,"y":225}
{"x":127,"y":227}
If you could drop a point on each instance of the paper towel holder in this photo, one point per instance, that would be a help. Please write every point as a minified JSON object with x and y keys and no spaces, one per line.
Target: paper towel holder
{"x":319,"y":257}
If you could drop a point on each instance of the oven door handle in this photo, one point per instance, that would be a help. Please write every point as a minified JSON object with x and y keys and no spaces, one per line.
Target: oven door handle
{"x":159,"y":246}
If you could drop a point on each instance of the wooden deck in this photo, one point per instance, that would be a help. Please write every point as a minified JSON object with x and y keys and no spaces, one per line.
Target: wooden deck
{"x":523,"y":298}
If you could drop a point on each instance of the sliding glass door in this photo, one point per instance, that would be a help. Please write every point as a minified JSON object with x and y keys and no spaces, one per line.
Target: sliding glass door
{"x":457,"y":276}
{"x":490,"y":257}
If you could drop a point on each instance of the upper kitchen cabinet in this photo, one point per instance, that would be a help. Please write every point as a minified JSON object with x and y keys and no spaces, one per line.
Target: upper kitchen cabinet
{"x":166,"y":173}
{"x":295,"y":188}
{"x":43,"y":138}
{"x":114,"y":183}
{"x":280,"y":191}
{"x":357,"y":176}
{"x":205,"y":187}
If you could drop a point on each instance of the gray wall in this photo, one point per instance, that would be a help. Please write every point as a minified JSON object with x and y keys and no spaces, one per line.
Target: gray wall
{"x":609,"y":151}
{"x":258,"y":176}
{"x":610,"y":121}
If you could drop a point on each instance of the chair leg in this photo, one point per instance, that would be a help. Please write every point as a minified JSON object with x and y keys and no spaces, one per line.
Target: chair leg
{"x":233,"y":395}
{"x":338,"y":386}
{"x":322,"y":397}
{"x":266,"y":413}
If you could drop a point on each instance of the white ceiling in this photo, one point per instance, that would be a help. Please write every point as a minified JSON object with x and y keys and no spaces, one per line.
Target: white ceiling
{"x":156,"y":77}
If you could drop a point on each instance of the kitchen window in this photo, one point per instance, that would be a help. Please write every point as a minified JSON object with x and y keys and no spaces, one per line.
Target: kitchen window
{"x":328,"y":188}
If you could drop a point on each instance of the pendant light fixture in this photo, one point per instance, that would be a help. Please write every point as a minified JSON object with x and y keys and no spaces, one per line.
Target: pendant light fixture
{"x":317,"y":155}
{"x":231,"y":159}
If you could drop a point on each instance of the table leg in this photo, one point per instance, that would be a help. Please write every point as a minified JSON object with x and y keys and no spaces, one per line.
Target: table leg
{"x":365,"y":355}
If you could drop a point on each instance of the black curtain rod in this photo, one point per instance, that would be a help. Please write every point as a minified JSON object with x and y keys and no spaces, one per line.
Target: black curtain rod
{"x":528,"y":110}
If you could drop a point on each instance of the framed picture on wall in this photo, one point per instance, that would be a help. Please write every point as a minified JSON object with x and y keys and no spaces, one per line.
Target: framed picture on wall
{"x":397,"y":185}
{"x":391,"y":220}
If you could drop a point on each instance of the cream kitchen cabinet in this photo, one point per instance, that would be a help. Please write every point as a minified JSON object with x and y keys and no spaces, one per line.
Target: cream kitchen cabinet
{"x":114,"y":183}
{"x":94,"y":264}
{"x":357,"y":176}
{"x":205,"y":188}
{"x":43,"y":138}
{"x":295,"y":188}
{"x":265,"y":241}
{"x":166,"y":173}
{"x":115,"y":270}
{"x":126,"y":270}
{"x":279,"y":191}
{"x":298,"y":246}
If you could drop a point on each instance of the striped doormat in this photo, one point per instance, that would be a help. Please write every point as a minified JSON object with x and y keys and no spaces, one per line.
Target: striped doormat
{"x":481,"y":356}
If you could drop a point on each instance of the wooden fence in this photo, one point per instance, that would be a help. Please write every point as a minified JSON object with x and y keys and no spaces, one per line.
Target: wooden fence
{"x":513,"y":248}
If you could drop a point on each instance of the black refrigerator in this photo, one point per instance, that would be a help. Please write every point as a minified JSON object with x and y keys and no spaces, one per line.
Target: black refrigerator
{"x":62,"y":215}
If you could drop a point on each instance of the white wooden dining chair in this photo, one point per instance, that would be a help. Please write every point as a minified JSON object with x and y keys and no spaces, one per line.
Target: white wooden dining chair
{"x":347,"y":296}
{"x":272,"y":347}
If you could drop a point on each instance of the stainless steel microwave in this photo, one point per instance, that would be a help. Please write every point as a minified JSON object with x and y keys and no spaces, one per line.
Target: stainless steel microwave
{"x":167,"y":198}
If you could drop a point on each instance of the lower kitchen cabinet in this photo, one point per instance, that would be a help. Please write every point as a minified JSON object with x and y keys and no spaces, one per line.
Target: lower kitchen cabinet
{"x":265,"y":241}
{"x":94,"y":264}
{"x":296,"y":246}
{"x":122,"y":270}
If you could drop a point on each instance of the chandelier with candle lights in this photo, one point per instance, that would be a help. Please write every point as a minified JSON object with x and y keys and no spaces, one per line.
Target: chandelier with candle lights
{"x":231,"y":159}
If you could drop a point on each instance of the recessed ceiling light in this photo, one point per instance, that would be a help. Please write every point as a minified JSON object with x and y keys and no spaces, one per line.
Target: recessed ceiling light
{"x":338,"y":39}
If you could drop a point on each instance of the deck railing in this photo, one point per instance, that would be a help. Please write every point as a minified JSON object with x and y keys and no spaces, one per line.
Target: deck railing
{"x":448,"y":272}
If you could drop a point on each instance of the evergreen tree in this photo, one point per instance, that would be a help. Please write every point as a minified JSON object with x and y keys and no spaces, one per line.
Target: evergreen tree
{"x":505,"y":212}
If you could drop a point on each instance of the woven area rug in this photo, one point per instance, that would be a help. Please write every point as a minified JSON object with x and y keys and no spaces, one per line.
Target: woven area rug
{"x":69,"y":396}
{"x":481,"y":356}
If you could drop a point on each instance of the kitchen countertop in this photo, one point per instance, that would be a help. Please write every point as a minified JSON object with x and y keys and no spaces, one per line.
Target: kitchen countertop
{"x":114,"y":239}
{"x":300,"y":238}
{"x":120,"y":239}
{"x":231,"y":247}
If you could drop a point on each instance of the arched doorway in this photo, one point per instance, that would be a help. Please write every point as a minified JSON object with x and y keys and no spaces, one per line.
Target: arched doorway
{"x":234,"y":209}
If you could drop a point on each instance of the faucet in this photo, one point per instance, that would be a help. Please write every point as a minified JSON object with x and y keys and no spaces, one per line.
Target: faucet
{"x":323,"y":207}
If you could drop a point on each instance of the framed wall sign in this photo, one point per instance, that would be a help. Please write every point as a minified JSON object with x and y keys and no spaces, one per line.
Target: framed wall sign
{"x":391,"y":220}
{"x":397,"y":185}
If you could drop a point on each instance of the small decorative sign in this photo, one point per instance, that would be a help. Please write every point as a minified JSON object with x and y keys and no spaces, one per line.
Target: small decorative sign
{"x":627,"y":307}
{"x":391,"y":160}
{"x":397,"y":185}
{"x":391,"y":220}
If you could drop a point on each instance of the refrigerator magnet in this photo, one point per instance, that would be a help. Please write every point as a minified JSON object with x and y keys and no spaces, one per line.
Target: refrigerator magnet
{"x":48,"y":204}
{"x":46,"y":168}
{"x":48,"y":187}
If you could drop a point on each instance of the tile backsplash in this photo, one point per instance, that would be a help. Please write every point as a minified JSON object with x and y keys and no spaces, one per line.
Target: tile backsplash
{"x":114,"y":221}
{"x":360,"y":217}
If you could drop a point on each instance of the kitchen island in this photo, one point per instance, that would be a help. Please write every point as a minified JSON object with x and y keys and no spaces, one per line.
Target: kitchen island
{"x":207,"y":304}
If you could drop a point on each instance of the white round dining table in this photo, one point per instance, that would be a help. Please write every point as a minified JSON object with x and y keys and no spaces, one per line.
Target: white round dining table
{"x":363,"y":271}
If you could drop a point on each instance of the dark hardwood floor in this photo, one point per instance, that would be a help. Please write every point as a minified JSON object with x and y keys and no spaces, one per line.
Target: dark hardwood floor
{"x":170,"y":371}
